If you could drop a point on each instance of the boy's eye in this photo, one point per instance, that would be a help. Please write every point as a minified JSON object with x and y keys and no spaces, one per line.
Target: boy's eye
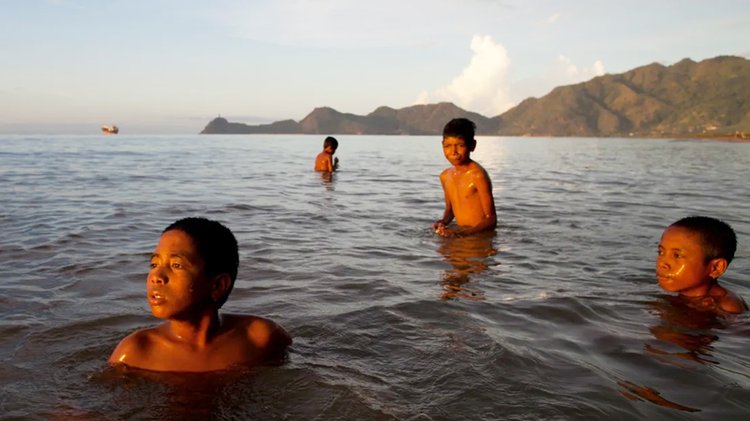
{"x":176,"y":265}
{"x":152,"y":265}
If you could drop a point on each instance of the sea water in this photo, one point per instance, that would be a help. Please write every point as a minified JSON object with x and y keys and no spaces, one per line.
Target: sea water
{"x":556,"y":315}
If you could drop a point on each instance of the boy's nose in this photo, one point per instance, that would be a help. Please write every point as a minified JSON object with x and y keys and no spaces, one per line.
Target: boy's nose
{"x":661,"y":263}
{"x":156,"y":277}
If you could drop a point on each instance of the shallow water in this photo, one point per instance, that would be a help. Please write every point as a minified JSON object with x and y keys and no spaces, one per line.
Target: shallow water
{"x":558,"y":315}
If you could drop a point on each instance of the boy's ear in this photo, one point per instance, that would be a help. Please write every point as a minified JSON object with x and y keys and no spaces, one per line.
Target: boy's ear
{"x":717,"y":267}
{"x":220,"y":285}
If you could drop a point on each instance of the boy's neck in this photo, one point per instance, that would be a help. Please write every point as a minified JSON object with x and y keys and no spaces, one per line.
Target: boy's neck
{"x":197,"y":332}
{"x":463,"y":165}
{"x":700,"y":291}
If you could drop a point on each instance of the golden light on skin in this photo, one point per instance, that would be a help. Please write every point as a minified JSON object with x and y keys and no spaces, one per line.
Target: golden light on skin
{"x":259,"y":333}
{"x":679,"y":271}
{"x":122,"y":358}
{"x":669,"y":278}
{"x":675,"y":273}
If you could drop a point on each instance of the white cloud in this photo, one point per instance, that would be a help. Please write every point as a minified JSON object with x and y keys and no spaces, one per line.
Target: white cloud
{"x":554,"y":18}
{"x":482,"y":86}
{"x":566,"y":72}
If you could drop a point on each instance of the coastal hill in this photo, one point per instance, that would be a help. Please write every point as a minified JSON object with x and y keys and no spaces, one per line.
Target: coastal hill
{"x":414,"y":120}
{"x":707,"y":98}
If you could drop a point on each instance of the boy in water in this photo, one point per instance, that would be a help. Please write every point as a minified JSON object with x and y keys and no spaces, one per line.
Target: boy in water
{"x":467,"y":187}
{"x":193,"y":269}
{"x":325,"y":162}
{"x":693,"y":253}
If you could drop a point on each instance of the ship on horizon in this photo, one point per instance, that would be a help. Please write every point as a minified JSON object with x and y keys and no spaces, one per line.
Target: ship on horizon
{"x":110,"y":129}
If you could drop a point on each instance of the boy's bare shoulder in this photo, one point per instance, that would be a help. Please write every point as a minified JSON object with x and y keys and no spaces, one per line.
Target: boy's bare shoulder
{"x":260,"y":331}
{"x":732,"y":303}
{"x":135,"y":347}
{"x":727,"y":301}
{"x":478,"y":167}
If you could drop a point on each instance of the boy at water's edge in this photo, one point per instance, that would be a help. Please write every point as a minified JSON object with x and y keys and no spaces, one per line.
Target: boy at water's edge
{"x":325,"y":162}
{"x":193,"y":270}
{"x":693,"y":253}
{"x":467,"y":187}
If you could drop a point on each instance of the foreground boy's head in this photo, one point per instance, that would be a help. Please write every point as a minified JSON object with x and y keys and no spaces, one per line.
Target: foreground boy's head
{"x":193,"y":269}
{"x":461,"y":128}
{"x":332,"y":143}
{"x":693,"y":253}
{"x":458,"y":141}
{"x":194,"y":265}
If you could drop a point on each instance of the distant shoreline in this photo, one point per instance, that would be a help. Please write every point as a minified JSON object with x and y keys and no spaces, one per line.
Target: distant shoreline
{"x":740,"y":138}
{"x":737,"y":137}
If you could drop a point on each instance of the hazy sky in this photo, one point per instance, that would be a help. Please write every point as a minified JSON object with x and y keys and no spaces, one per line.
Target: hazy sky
{"x":170,"y":66}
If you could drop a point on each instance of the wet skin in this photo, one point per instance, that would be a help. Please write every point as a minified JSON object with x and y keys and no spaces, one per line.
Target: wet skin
{"x":682,"y":267}
{"x":468,"y":192}
{"x":325,"y":162}
{"x":194,"y":336}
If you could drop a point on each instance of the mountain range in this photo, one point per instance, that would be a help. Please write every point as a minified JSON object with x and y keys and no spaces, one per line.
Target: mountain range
{"x":706,"y":98}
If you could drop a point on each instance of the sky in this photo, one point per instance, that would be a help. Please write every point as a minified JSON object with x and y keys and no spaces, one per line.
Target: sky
{"x":170,"y":66}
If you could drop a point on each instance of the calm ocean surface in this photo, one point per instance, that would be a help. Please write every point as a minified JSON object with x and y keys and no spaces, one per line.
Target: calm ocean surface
{"x":558,"y":315}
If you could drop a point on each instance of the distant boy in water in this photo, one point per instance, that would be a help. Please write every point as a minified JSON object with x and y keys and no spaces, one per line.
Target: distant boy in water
{"x":193,"y":269}
{"x":693,"y":253}
{"x":467,"y":187}
{"x":325,"y":162}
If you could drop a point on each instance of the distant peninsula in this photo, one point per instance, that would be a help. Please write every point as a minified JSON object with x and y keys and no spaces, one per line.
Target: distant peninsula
{"x":710,"y":98}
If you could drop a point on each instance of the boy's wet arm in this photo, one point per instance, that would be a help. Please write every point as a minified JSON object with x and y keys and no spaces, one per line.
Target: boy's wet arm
{"x":448,"y":212}
{"x":486,"y":199}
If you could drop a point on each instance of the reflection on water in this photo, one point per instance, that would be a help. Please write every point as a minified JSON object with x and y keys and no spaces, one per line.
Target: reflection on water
{"x":181,"y":395}
{"x":327,"y":179}
{"x":563,"y":329}
{"x":468,"y":257}
{"x":691,"y":330}
{"x":685,"y":336}
{"x":635,"y":392}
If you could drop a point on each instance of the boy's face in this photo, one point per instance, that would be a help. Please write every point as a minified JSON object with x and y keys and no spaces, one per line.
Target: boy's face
{"x":330,"y":149}
{"x":177,"y":283}
{"x":681,"y":263}
{"x":455,"y":150}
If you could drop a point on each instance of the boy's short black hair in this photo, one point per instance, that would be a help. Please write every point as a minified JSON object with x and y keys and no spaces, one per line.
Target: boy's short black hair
{"x":215,"y":243}
{"x":717,"y":238}
{"x":462,"y":128}
{"x":331,"y":141}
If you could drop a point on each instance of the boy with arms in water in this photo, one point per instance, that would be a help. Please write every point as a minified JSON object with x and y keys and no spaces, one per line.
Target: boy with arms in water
{"x":467,"y":187}
{"x":693,"y":253}
{"x":325,"y":162}
{"x":193,"y":270}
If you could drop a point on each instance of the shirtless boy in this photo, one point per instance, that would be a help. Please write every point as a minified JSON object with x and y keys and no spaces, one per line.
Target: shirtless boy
{"x":325,"y":162}
{"x":193,"y":270}
{"x":467,"y":187}
{"x":693,"y":253}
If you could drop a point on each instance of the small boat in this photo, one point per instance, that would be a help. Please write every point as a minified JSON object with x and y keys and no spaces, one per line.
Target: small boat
{"x":110,"y":129}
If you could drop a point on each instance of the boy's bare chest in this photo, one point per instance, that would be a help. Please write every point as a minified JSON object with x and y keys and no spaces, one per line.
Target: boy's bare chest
{"x":219,"y":354}
{"x":461,"y":185}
